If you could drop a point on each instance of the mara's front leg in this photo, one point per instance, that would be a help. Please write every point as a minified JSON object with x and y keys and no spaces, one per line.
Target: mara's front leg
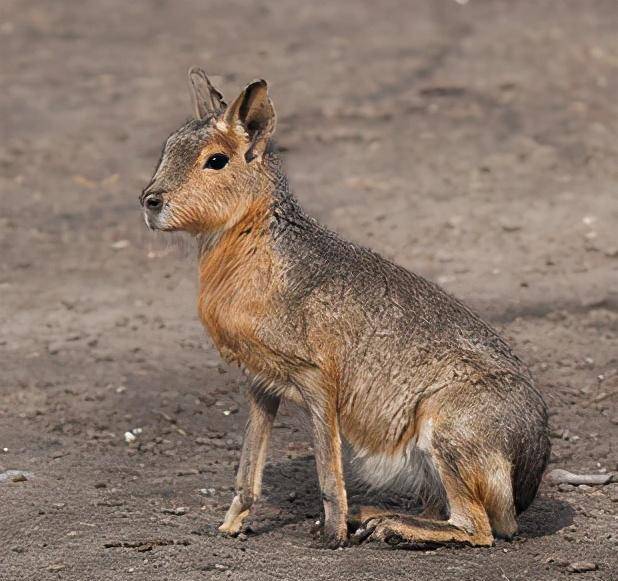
{"x":262,"y":411}
{"x":327,"y":446}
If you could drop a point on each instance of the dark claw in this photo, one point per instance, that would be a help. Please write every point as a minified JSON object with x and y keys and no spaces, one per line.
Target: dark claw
{"x":393,"y":539}
{"x":364,"y":531}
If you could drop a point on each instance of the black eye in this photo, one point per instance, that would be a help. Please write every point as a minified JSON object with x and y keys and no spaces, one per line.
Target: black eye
{"x":216,"y":161}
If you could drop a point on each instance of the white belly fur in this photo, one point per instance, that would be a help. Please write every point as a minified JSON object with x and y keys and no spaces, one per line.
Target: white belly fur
{"x":410,"y":472}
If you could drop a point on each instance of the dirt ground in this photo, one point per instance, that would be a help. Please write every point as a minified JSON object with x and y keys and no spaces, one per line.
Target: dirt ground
{"x":474,"y":142}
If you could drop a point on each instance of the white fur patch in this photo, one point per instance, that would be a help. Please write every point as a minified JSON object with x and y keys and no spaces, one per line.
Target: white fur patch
{"x":425,"y":434}
{"x":410,"y":472}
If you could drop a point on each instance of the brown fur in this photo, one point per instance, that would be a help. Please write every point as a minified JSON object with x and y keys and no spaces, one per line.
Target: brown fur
{"x":431,"y":399}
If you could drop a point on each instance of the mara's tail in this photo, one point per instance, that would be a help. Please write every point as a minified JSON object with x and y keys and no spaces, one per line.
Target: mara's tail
{"x":530,"y":463}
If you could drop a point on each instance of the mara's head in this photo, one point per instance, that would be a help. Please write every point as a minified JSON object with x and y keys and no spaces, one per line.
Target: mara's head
{"x":213,"y":168}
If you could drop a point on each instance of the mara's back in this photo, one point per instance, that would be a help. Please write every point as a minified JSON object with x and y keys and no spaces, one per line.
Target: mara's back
{"x":371,"y":300}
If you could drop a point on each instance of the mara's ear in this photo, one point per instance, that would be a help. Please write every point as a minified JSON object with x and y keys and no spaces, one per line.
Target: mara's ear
{"x":253,"y":111}
{"x":206,"y":99}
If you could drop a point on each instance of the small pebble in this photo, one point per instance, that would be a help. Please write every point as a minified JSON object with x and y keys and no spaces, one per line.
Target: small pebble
{"x":55,"y":567}
{"x":582,"y":567}
{"x":188,"y":472}
{"x":179,"y":511}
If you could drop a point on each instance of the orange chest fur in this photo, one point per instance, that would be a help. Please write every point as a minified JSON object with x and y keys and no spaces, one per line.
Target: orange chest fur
{"x":239,"y":280}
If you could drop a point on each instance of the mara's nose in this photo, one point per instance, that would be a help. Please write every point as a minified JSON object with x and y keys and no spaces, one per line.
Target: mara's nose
{"x":153,"y":202}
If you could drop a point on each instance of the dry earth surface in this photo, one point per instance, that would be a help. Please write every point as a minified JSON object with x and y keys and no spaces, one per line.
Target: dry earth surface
{"x":474,"y":142}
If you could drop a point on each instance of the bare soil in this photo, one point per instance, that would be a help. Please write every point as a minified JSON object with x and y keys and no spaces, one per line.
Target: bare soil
{"x":472,"y":142}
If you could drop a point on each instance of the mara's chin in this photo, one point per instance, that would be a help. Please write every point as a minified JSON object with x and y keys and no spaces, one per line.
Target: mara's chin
{"x":157,"y":223}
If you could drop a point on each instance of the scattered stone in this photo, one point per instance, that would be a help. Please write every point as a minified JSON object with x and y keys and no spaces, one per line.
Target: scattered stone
{"x":581,"y":567}
{"x":167,"y":417}
{"x":188,"y":472}
{"x":112,"y":544}
{"x":110,"y":503}
{"x":178,"y":511}
{"x":55,"y":567}
{"x":129,"y":437}
{"x":146,"y":545}
{"x":14,"y":475}
{"x":560,"y":476}
{"x":207,"y":491}
{"x":509,"y":226}
{"x":55,"y":347}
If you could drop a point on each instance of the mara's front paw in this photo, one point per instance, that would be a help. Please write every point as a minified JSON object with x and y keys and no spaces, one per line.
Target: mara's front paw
{"x":331,"y":538}
{"x":230,"y":529}
{"x":235,"y":516}
{"x":335,"y":541}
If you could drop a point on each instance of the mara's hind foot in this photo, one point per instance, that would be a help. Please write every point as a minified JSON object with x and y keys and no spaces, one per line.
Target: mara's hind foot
{"x":417,"y":530}
{"x":360,"y":515}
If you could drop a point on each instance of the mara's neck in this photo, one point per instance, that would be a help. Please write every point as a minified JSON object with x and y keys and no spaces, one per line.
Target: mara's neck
{"x":274,"y":208}
{"x":231,"y":259}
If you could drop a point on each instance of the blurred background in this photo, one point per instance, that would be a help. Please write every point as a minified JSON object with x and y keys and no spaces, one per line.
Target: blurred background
{"x":471,"y":141}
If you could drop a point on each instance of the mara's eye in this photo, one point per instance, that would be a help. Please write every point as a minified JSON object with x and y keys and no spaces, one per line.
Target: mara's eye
{"x":216,"y":161}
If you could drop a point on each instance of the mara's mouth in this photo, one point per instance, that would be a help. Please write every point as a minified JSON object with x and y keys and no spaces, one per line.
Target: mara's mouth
{"x":157,"y":220}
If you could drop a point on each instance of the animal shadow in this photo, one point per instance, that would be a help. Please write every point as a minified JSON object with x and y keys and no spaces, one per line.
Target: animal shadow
{"x":291,"y":490}
{"x":545,"y":516}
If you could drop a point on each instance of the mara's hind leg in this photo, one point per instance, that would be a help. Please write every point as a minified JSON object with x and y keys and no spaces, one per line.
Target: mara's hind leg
{"x":468,"y":522}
